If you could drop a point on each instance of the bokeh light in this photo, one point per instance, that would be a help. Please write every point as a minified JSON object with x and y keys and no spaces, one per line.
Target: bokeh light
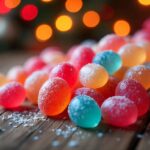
{"x":122,"y":27}
{"x":144,"y":2}
{"x":3,"y":8}
{"x":46,"y":1}
{"x":91,"y":19}
{"x":43,"y":32}
{"x":73,"y":5}
{"x":12,"y":3}
{"x":63,"y":23}
{"x":29,"y":12}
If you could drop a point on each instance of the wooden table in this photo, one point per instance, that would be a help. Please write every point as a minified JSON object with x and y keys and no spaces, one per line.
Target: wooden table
{"x":46,"y":133}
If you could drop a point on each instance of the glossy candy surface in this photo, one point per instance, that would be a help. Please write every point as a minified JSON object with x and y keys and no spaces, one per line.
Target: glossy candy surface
{"x":54,"y":97}
{"x":108,"y":89}
{"x":12,"y":95}
{"x":110,"y":60}
{"x":3,"y":79}
{"x":98,"y":97}
{"x":135,"y":92}
{"x":67,"y":72}
{"x":33,"y":84}
{"x":119,"y":111}
{"x":141,"y":73}
{"x":81,"y":56}
{"x":121,"y":72}
{"x":84,"y":112}
{"x":33,"y":64}
{"x":18,"y":74}
{"x":93,"y":76}
{"x":111,"y":42}
{"x":132,"y":55}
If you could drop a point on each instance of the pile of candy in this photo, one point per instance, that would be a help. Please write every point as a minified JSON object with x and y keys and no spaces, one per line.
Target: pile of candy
{"x":106,"y":80}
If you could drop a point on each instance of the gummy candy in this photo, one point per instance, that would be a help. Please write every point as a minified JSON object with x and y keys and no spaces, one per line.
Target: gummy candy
{"x":120,"y":73}
{"x":33,"y":84}
{"x":110,"y":60}
{"x":3,"y":79}
{"x":119,"y":111}
{"x":54,"y":96}
{"x":93,"y":76}
{"x":67,"y":72}
{"x":132,"y":55}
{"x":84,"y":112}
{"x":12,"y":95}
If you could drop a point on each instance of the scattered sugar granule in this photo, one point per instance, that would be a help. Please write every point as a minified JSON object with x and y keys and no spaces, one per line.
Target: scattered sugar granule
{"x":73,"y":143}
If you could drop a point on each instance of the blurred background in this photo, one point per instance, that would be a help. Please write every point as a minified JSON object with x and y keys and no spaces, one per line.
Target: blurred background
{"x":32,"y":25}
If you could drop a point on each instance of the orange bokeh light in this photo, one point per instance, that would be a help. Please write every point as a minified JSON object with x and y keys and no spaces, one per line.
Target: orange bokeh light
{"x":91,"y":19}
{"x":12,"y":3}
{"x":63,"y":23}
{"x":43,"y":32}
{"x":46,"y":1}
{"x":73,"y":5}
{"x":144,"y":2}
{"x":122,"y":28}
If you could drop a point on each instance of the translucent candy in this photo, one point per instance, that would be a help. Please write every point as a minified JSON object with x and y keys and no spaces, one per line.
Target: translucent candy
{"x":141,"y":35}
{"x":48,"y":68}
{"x":3,"y":79}
{"x":33,"y":84}
{"x":146,"y":46}
{"x":54,"y":97}
{"x":132,"y":55}
{"x":18,"y":74}
{"x":12,"y":95}
{"x":119,"y":111}
{"x":141,"y":73}
{"x":33,"y":64}
{"x":111,"y":42}
{"x":84,"y":112}
{"x":98,"y":97}
{"x":81,"y":56}
{"x":135,"y":92}
{"x":93,"y":76}
{"x":67,"y":72}
{"x":121,"y":72}
{"x":52,"y":57}
{"x":108,"y":89}
{"x":110,"y":60}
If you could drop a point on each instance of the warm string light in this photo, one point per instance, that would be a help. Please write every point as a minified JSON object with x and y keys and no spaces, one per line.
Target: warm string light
{"x":3,"y":8}
{"x":91,"y":19}
{"x":144,"y":2}
{"x":73,"y":5}
{"x":12,"y":3}
{"x":43,"y":32}
{"x":122,"y":27}
{"x":29,"y":12}
{"x":63,"y":23}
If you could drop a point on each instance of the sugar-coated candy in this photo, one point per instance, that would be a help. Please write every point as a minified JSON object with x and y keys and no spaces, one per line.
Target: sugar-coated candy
{"x":111,"y":42}
{"x":17,"y":73}
{"x":67,"y":72}
{"x":52,"y":56}
{"x":12,"y":95}
{"x":108,"y":89}
{"x":33,"y":84}
{"x":135,"y":92}
{"x":110,"y":60}
{"x":98,"y":97}
{"x":132,"y":55}
{"x":146,"y":46}
{"x":81,"y":56}
{"x":93,"y":76}
{"x":141,"y":35}
{"x":48,"y":68}
{"x":33,"y":64}
{"x":121,"y":72}
{"x":3,"y":79}
{"x":84,"y":112}
{"x":119,"y":111}
{"x":54,"y":96}
{"x":71,"y":51}
{"x":141,"y":73}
